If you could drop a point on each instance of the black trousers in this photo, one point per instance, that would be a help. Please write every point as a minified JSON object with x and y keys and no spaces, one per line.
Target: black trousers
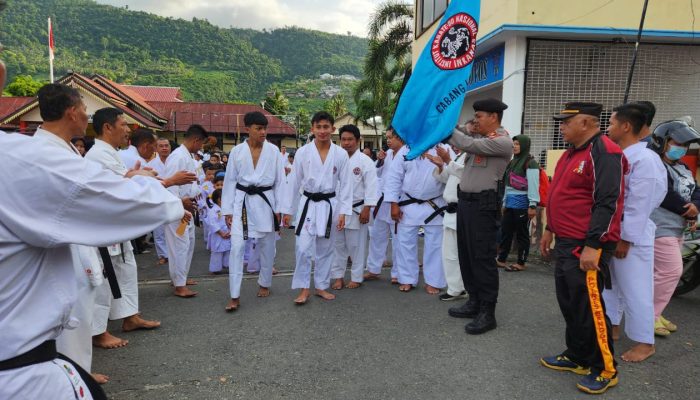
{"x":476,"y":245}
{"x":588,"y":330}
{"x":515,"y":224}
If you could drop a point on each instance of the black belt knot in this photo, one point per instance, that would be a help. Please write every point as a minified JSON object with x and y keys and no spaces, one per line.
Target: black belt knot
{"x":438,"y":210}
{"x":316,"y":198}
{"x":255,"y":191}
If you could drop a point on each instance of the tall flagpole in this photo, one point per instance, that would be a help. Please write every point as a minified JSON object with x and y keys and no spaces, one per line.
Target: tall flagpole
{"x":636,"y":50}
{"x":51,"y":47}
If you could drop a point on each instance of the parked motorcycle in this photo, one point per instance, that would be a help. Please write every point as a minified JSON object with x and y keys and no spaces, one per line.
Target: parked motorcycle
{"x":691,"y":263}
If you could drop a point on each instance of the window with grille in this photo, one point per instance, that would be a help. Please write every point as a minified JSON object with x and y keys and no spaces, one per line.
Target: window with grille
{"x":562,"y":71}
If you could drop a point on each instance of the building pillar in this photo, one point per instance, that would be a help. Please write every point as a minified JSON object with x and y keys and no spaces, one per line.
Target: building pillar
{"x":514,"y":83}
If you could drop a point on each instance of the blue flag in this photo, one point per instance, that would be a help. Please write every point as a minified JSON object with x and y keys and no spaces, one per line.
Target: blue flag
{"x":431,"y":102}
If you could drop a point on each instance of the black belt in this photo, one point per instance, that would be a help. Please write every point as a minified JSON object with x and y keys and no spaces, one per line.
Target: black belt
{"x":376,"y":208}
{"x":438,"y":210}
{"x":47,"y":352}
{"x":109,"y":272}
{"x":316,"y":198}
{"x":259,"y":191}
{"x":451,"y":208}
{"x":359,"y":203}
{"x":468,"y":196}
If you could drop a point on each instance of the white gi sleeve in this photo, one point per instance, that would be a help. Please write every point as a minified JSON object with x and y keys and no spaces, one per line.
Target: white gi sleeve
{"x":228,"y":193}
{"x":393,"y":181}
{"x":370,"y":180}
{"x":344,"y":189}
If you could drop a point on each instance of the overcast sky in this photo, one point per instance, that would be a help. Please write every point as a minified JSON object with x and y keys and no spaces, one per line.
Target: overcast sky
{"x":336,"y":16}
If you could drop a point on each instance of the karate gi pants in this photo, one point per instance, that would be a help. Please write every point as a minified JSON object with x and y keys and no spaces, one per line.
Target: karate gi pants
{"x":668,"y":268}
{"x":379,"y":233}
{"x":106,"y":306}
{"x":585,"y":331}
{"x":251,"y":256}
{"x":476,"y":238}
{"x":180,"y":251}
{"x":76,"y":343}
{"x":56,"y":380}
{"x":218,"y":260}
{"x":633,"y":293}
{"x":450,"y":262}
{"x":321,"y":251}
{"x":407,"y":255}
{"x":353,"y":243}
{"x":266,"y":252}
{"x":159,"y":240}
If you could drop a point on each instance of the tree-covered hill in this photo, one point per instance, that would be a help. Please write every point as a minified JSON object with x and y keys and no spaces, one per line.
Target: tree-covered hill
{"x":209,"y":63}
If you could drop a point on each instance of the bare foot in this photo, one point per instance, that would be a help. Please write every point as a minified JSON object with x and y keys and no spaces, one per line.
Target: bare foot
{"x":184,"y":292}
{"x":639,"y":352}
{"x":353,"y":285}
{"x":161,"y":261}
{"x":233,"y":305}
{"x":99,"y":378}
{"x":338,"y":284}
{"x":325,"y":295}
{"x":275,"y":271}
{"x":405,"y":288}
{"x":500,"y":264}
{"x":616,"y":332}
{"x":191,"y":282}
{"x":394,"y":281}
{"x":136,"y":322}
{"x":431,"y":290}
{"x":108,"y":341}
{"x":302,"y":298}
{"x":368,"y":276}
{"x":386,"y":264}
{"x":263,"y":292}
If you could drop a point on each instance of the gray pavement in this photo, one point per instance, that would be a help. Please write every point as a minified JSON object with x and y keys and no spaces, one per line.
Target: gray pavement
{"x":370,"y":343}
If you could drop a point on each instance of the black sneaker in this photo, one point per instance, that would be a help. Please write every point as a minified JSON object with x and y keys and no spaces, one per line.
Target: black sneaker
{"x":562,"y":363}
{"x":448,"y":297}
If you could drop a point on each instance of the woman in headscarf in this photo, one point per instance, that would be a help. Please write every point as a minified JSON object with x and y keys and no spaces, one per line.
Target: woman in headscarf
{"x":522,"y":194}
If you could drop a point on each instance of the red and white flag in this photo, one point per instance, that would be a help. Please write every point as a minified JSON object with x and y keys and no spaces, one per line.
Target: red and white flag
{"x":51,"y":43}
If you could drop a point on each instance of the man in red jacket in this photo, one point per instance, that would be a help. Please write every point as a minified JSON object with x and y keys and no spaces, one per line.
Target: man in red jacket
{"x":585,"y":211}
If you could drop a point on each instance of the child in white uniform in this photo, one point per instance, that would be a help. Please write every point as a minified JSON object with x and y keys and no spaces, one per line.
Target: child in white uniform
{"x":219,"y":236}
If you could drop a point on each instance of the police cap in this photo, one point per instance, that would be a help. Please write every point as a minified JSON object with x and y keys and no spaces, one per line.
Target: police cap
{"x":490,"y":105}
{"x":579,"y":107}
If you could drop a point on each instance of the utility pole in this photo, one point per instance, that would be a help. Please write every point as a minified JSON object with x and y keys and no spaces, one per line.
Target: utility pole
{"x":636,"y":50}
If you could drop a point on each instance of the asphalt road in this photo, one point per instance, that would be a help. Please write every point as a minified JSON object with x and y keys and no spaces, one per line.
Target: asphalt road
{"x":370,"y":343}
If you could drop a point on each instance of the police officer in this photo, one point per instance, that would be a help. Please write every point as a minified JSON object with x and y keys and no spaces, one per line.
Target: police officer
{"x":488,"y":150}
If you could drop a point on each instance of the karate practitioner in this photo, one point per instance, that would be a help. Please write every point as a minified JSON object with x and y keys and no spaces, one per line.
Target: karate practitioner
{"x":76,"y":202}
{"x":352,"y":241}
{"x":382,"y":226}
{"x":158,"y":164}
{"x":252,"y":194}
{"x":632,"y":267}
{"x":449,"y":172}
{"x":112,"y":131}
{"x":416,"y":200}
{"x":181,"y":248}
{"x":321,"y":175}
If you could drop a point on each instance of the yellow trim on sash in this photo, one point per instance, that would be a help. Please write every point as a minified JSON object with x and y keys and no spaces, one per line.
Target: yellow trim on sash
{"x":601,"y":328}
{"x":571,"y":111}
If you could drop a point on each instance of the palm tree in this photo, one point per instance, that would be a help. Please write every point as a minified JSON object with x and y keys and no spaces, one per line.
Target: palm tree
{"x":390,"y":35}
{"x":276,"y":103}
{"x":336,"y":105}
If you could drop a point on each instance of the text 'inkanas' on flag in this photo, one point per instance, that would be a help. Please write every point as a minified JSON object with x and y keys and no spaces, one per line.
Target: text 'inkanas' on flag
{"x":431,"y":102}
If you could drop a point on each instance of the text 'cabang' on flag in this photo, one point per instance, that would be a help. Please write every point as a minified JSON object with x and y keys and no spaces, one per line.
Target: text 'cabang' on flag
{"x":431,"y":102}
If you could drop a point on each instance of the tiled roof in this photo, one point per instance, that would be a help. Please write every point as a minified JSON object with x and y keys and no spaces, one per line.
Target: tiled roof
{"x":217,"y":117}
{"x":9,"y":105}
{"x":157,"y":93}
{"x":128,"y":95}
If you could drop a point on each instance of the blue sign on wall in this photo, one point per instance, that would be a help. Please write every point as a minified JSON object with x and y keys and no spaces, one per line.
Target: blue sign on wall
{"x":487,"y":68}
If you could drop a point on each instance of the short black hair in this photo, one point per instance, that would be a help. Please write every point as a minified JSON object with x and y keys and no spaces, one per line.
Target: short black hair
{"x":499,"y":115}
{"x":632,"y":113}
{"x":218,"y":178}
{"x":196,"y":131}
{"x":107,"y":115}
{"x":254,"y":118}
{"x":322,"y":116}
{"x":76,"y":139}
{"x":142,"y":136}
{"x":350,"y":128}
{"x":214,"y":155}
{"x":55,"y":99}
{"x":216,"y":195}
{"x":649,"y":110}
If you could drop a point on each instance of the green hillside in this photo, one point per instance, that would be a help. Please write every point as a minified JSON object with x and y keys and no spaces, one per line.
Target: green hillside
{"x":209,"y":63}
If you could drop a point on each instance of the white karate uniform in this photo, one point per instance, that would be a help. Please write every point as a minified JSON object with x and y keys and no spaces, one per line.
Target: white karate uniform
{"x":57,"y":200}
{"x":180,"y":248}
{"x":129,"y":156}
{"x":450,"y":176}
{"x":76,"y":343}
{"x":633,"y":276}
{"x":415,"y":178}
{"x":159,"y":233}
{"x":382,"y":227}
{"x":121,"y":254}
{"x":251,"y":256}
{"x":220,"y":248}
{"x":352,"y":241}
{"x":206,"y":188}
{"x":312,"y":175}
{"x":269,"y":172}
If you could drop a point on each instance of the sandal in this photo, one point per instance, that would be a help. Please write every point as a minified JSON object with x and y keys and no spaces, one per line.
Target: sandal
{"x":500,"y":264}
{"x":515,"y":268}
{"x":660,"y":329}
{"x":668,"y":324}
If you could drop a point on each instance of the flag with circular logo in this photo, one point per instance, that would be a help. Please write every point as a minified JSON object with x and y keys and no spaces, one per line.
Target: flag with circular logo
{"x":431,"y":102}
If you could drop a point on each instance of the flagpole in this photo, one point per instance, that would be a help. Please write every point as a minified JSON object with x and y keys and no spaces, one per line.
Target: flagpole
{"x":50,"y":52}
{"x":636,"y":50}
